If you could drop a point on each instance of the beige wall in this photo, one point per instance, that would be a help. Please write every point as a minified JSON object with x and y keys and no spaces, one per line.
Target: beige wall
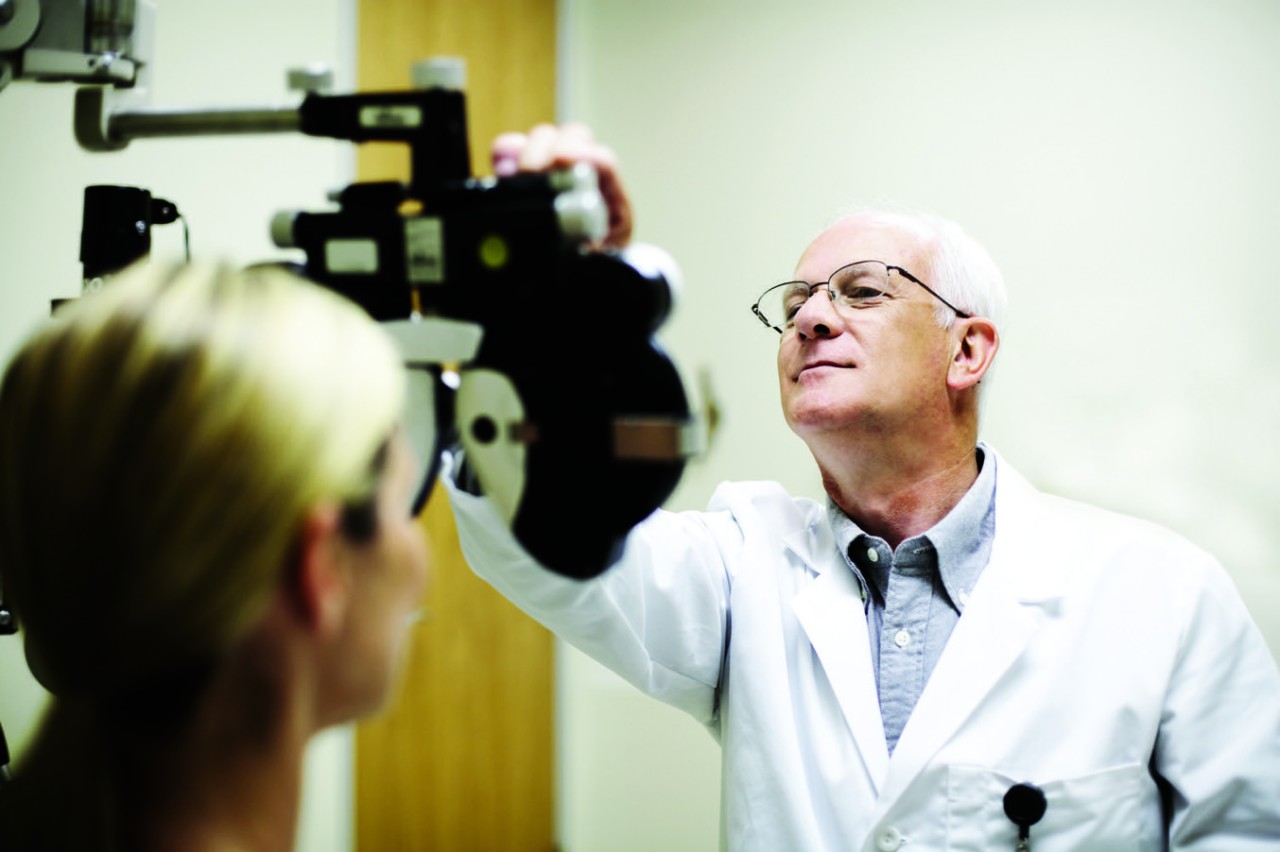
{"x":233,"y":52}
{"x":1118,"y":159}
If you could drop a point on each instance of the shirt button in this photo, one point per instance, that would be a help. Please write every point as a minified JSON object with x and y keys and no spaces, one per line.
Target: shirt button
{"x":902,"y":639}
{"x":889,"y":839}
{"x":872,"y":554}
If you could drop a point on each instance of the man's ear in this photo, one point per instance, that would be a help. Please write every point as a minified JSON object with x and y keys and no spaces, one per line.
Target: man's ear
{"x":975,"y":350}
{"x":320,"y":582}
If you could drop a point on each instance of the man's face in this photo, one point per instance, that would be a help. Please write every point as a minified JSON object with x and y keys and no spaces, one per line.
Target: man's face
{"x":878,"y":367}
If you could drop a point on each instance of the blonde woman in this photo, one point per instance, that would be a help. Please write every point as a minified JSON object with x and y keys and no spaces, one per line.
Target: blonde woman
{"x":205,"y":535}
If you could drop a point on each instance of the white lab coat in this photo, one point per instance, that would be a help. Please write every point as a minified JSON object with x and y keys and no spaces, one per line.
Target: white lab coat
{"x":1092,"y":647}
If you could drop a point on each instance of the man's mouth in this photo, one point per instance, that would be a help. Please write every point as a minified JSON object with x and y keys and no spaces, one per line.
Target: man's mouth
{"x":813,"y":365}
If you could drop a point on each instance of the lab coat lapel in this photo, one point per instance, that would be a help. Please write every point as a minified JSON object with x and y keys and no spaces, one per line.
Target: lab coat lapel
{"x":831,"y":613}
{"x":1019,"y":588}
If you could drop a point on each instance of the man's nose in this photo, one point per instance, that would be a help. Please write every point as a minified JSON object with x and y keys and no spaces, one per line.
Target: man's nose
{"x":817,"y":316}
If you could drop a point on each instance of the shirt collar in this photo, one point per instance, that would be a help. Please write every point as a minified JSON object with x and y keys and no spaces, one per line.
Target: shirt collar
{"x":961,"y":541}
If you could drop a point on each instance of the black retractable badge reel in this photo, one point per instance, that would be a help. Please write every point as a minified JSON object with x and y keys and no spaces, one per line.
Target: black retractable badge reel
{"x":1025,"y":805}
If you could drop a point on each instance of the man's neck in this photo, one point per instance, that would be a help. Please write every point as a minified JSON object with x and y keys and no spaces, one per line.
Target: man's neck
{"x":898,"y":490}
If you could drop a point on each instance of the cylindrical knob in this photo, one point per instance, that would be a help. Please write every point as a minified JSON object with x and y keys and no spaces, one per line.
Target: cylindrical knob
{"x":440,"y":72}
{"x":282,"y":229}
{"x":311,"y":78}
{"x":580,"y":209}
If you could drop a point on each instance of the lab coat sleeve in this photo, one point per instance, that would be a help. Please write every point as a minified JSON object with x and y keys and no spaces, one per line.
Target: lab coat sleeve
{"x":658,"y":618}
{"x":1218,"y":747}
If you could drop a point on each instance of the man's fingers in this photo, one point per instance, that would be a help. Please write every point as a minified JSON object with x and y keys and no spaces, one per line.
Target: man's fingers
{"x":540,"y":149}
{"x":505,"y":153}
{"x":547,"y":147}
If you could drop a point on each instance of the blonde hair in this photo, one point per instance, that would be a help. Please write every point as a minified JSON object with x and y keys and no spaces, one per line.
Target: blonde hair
{"x":160,"y":445}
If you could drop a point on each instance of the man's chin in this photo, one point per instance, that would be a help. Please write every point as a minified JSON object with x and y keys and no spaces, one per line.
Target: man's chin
{"x":818,"y":417}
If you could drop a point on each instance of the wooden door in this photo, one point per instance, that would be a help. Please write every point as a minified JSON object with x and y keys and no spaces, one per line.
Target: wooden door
{"x":463,"y":760}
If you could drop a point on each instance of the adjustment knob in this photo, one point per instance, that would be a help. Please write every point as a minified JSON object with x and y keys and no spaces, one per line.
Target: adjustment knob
{"x":312,"y":79}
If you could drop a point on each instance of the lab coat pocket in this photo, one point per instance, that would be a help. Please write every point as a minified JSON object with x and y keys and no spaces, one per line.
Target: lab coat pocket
{"x":1099,"y":811}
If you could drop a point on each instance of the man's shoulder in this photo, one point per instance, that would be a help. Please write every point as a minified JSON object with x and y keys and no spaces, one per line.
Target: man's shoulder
{"x":1071,"y":523}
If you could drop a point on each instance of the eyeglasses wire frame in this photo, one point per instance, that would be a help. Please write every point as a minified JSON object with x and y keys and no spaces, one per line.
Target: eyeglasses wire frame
{"x":889,"y":267}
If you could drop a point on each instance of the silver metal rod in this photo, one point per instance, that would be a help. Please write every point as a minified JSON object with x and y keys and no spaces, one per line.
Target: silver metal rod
{"x":145,"y":124}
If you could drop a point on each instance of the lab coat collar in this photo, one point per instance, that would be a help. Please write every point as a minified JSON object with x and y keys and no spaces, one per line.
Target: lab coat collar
{"x":1020,"y":587}
{"x":831,"y":612}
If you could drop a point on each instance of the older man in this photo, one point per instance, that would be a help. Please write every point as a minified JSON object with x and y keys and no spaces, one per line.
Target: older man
{"x":941,"y":657}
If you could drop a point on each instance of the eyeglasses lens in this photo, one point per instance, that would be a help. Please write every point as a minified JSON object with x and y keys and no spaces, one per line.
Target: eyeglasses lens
{"x":850,"y":285}
{"x":859,"y":282}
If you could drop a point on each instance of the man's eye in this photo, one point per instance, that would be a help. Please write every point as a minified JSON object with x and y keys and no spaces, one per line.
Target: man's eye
{"x":861,"y":294}
{"x":792,"y":305}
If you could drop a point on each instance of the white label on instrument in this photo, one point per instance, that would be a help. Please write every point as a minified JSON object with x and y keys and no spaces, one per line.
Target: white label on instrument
{"x":391,"y":115}
{"x":424,"y":250}
{"x":351,"y":257}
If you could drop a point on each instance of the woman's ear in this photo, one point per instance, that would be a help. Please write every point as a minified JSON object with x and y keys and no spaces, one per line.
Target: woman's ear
{"x":975,"y":350}
{"x":321,"y":584}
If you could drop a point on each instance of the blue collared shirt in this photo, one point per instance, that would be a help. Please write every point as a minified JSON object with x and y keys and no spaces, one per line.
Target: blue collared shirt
{"x":915,"y":595}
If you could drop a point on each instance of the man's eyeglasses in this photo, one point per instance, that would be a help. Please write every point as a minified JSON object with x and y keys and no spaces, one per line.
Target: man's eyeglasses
{"x":857,"y":285}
